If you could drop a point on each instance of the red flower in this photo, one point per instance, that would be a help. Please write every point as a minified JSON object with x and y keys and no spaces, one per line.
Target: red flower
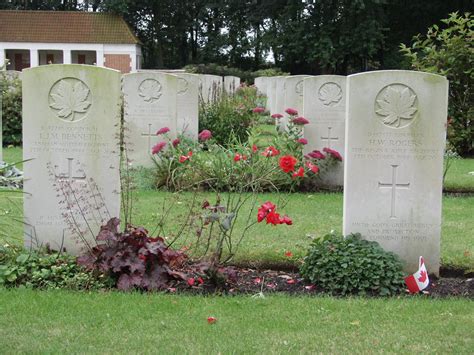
{"x":300,"y":121}
{"x":270,"y":152}
{"x":176,"y":142}
{"x":299,"y":173}
{"x":287,"y":163}
{"x":205,"y":135}
{"x":239,"y":157}
{"x":162,"y":131}
{"x":257,"y":280}
{"x":254,"y":149}
{"x":258,"y":110}
{"x":277,"y":115}
{"x":142,"y":257}
{"x":211,"y":320}
{"x":314,"y":168}
{"x":264,"y":209}
{"x":288,"y":254}
{"x":286,"y":220}
{"x":333,"y":153}
{"x":316,"y":154}
{"x":310,"y":287}
{"x":273,"y":218}
{"x":158,"y":147}
{"x":291,"y":111}
{"x":291,"y":281}
{"x":200,"y":280}
{"x":183,"y":158}
{"x":302,"y":141}
{"x":191,"y":281}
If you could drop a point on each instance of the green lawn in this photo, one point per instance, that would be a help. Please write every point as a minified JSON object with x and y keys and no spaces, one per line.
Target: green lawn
{"x":67,"y":322}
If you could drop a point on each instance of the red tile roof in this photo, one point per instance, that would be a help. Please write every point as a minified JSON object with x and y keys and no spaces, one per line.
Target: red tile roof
{"x":64,"y":27}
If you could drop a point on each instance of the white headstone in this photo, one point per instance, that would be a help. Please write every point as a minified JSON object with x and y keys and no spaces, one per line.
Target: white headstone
{"x":71,"y":131}
{"x":294,"y":92}
{"x":261,"y":84}
{"x":188,"y":105}
{"x":210,"y":87}
{"x":231,"y":84}
{"x":324,"y":108}
{"x":395,"y":140}
{"x":149,"y":104}
{"x":271,"y":90}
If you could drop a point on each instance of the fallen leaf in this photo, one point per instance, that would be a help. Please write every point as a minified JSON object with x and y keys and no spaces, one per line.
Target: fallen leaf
{"x":288,"y":254}
{"x":271,"y":285}
{"x":355,"y":323}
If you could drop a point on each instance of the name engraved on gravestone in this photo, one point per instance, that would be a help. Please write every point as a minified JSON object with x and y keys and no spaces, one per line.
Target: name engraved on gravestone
{"x":395,"y":139}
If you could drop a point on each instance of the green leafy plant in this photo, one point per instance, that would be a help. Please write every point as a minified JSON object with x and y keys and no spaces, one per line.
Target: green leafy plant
{"x":230,"y":118}
{"x":350,"y":265}
{"x":10,"y":87}
{"x":449,"y":50}
{"x":45,"y":270}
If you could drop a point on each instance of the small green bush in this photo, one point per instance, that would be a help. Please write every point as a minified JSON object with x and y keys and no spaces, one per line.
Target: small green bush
{"x":42,"y":270}
{"x":351,"y":265}
{"x":230,"y":118}
{"x":11,"y":109}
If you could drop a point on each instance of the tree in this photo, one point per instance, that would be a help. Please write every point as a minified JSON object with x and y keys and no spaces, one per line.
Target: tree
{"x":449,"y":50}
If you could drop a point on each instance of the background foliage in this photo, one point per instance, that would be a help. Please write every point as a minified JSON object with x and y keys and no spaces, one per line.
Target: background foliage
{"x":448,"y":50}
{"x":310,"y":37}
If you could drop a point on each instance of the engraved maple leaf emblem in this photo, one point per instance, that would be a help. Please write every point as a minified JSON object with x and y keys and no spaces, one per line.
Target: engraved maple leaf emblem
{"x":150,"y":90}
{"x":70,"y":98}
{"x":330,"y":94}
{"x":396,"y":105}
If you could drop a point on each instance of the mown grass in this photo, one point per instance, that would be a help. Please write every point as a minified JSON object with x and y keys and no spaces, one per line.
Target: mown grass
{"x":67,"y":322}
{"x":460,"y":176}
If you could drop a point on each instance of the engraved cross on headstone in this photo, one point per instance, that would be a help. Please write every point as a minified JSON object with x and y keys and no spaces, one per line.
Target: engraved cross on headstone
{"x":69,"y":175}
{"x":394,"y":185}
{"x":149,"y":135}
{"x":329,"y":138}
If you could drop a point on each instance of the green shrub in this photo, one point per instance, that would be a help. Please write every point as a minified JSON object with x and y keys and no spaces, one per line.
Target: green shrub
{"x":449,"y":51}
{"x":351,"y":265}
{"x":230,"y":118}
{"x":11,"y":109}
{"x":39,"y":269}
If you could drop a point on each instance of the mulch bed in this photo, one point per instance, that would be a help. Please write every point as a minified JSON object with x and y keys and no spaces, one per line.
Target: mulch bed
{"x":263,"y":282}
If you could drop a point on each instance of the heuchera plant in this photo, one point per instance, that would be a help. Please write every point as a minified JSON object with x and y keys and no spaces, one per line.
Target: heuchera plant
{"x":134,"y":259}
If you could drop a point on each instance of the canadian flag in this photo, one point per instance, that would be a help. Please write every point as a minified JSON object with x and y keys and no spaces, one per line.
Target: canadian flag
{"x":419,"y":280}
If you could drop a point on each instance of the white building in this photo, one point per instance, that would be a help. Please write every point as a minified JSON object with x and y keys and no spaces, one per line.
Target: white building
{"x":32,"y":38}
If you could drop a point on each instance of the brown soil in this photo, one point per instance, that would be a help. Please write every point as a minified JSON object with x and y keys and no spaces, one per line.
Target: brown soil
{"x":253,"y":282}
